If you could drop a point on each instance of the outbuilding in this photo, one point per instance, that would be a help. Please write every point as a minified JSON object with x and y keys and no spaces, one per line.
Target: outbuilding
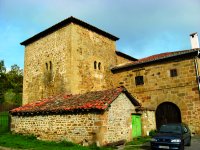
{"x":100,"y":117}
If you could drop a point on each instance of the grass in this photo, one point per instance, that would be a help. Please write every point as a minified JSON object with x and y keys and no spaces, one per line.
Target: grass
{"x":30,"y":142}
{"x":138,"y":143}
{"x":139,"y":140}
{"x":4,"y":119}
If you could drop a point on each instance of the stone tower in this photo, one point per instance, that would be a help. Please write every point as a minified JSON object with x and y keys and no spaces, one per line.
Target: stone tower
{"x":70,"y":57}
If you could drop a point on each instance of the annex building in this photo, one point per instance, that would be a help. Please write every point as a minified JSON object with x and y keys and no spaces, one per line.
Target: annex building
{"x":78,"y":87}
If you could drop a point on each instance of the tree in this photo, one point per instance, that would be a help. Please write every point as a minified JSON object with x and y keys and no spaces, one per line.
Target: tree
{"x":15,"y":85}
{"x":11,"y":84}
{"x":2,"y":81}
{"x":15,"y":78}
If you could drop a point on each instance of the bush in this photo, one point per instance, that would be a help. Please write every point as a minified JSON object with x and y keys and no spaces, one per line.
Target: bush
{"x":152,"y":132}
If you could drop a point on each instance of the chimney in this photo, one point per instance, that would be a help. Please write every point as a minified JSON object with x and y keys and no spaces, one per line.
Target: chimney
{"x":194,"y":40}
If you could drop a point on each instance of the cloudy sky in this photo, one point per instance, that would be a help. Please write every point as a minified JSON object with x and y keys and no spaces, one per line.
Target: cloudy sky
{"x":145,"y":27}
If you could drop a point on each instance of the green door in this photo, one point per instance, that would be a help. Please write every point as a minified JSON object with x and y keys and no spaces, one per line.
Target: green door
{"x":136,"y":126}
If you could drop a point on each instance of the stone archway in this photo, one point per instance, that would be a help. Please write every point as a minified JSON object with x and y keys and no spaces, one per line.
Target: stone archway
{"x":167,"y":112}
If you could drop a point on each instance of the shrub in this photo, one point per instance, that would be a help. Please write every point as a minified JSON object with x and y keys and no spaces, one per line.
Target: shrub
{"x":152,"y":132}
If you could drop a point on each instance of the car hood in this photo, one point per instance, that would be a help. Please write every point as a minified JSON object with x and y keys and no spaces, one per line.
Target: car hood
{"x":168,"y":135}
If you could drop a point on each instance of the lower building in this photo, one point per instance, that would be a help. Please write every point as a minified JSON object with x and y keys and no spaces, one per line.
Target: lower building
{"x":100,"y":117}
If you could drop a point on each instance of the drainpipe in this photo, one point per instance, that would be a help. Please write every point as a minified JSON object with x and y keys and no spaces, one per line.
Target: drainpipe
{"x":197,"y":70}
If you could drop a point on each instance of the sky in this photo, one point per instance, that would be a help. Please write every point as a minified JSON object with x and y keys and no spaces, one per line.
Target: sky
{"x":145,"y":27}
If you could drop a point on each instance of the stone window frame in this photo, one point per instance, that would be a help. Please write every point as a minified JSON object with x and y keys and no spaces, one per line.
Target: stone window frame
{"x":97,"y":65}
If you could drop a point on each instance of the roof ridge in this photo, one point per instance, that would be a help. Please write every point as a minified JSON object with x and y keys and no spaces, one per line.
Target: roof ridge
{"x":66,"y":22}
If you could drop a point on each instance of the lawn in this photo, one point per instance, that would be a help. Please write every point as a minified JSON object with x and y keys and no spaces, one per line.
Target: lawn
{"x":4,"y":119}
{"x":30,"y":142}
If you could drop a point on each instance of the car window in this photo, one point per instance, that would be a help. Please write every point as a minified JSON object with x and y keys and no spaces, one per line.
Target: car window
{"x":170,"y":128}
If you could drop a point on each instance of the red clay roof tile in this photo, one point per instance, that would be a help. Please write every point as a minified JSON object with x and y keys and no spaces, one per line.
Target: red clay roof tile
{"x":97,"y":100}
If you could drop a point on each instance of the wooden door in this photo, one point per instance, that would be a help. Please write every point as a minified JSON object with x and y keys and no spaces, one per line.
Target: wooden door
{"x":136,"y":126}
{"x":167,"y":112}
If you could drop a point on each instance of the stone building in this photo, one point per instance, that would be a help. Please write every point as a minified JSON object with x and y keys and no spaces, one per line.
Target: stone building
{"x":75,"y":58}
{"x":100,"y":117}
{"x":167,"y":83}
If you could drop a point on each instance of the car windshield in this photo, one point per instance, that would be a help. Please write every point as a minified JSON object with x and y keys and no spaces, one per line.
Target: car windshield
{"x":170,"y":129}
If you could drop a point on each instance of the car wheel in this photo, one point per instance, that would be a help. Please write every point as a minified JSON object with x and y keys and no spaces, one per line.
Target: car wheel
{"x":189,"y":142}
{"x":182,"y":146}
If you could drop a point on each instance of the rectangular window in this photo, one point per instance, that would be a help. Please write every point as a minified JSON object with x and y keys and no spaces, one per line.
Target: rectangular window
{"x":173,"y":73}
{"x":139,"y":80}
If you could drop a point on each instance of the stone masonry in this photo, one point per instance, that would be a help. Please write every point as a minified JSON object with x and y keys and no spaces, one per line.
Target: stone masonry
{"x":159,"y":87}
{"x":76,"y":58}
{"x":82,"y":128}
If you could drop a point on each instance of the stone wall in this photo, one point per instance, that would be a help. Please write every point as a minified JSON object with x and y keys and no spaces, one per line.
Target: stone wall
{"x":122,"y":60}
{"x":159,"y":87}
{"x":111,"y":126}
{"x":63,"y":62}
{"x":80,"y":128}
{"x":148,"y":121}
{"x":41,"y":80}
{"x":120,"y":120}
{"x":88,"y":49}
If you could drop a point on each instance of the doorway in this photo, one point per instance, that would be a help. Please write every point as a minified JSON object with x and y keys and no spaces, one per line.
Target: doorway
{"x":167,"y":112}
{"x":136,"y":126}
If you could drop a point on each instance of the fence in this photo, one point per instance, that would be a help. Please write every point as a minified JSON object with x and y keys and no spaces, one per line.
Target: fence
{"x":4,"y":122}
{"x":5,"y":117}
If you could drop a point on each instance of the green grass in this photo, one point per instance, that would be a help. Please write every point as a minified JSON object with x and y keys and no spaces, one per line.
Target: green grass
{"x":139,"y":140}
{"x":30,"y":142}
{"x":4,"y":125}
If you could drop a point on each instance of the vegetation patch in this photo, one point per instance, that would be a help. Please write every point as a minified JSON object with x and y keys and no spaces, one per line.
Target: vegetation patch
{"x":30,"y":142}
{"x":4,"y":122}
{"x":139,"y":140}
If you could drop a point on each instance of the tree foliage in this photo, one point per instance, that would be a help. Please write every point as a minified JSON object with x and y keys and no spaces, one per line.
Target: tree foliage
{"x":11,"y":84}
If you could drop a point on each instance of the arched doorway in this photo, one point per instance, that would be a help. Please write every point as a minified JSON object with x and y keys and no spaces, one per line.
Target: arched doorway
{"x":167,"y":112}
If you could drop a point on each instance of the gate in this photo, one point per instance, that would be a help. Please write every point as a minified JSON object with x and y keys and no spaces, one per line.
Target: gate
{"x":136,"y":126}
{"x":5,"y":117}
{"x":167,"y":112}
{"x":4,"y":122}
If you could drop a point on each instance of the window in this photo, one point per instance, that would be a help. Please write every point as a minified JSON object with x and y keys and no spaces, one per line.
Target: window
{"x":46,"y":66}
{"x":99,"y":66}
{"x":50,"y":65}
{"x":95,"y":65}
{"x":48,"y":72}
{"x":139,"y":80}
{"x":173,"y":72}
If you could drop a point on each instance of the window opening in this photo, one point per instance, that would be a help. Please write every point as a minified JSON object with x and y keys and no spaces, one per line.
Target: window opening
{"x":173,"y":73}
{"x":50,"y":65}
{"x":47,"y":66}
{"x":95,"y":65}
{"x":139,"y":80}
{"x":99,"y":66}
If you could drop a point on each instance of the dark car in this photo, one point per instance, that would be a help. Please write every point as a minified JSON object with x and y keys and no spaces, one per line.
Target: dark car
{"x":172,"y":136}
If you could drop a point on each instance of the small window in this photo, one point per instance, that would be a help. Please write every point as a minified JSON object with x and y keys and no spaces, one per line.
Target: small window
{"x":139,"y":80}
{"x":95,"y":65}
{"x":173,"y":72}
{"x":46,"y":66}
{"x":99,"y":66}
{"x":50,"y":65}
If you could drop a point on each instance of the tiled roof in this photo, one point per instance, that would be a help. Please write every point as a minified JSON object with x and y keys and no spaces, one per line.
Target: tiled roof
{"x":98,"y":100}
{"x":156,"y":57}
{"x":64,"y":23}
